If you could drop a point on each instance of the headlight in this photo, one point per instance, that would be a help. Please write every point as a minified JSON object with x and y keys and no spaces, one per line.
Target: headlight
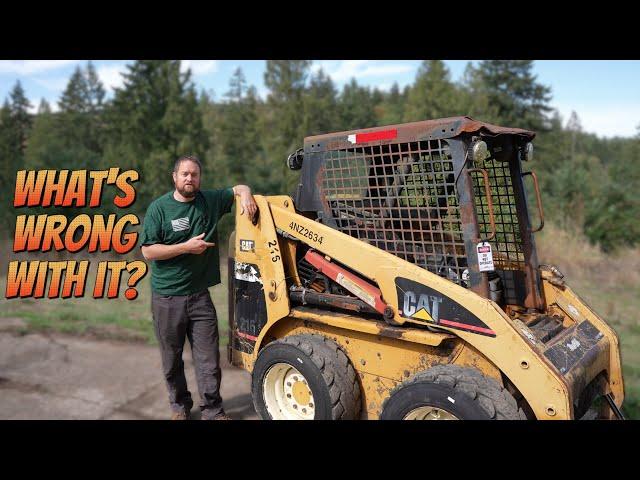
{"x":479,"y":151}
{"x":294,"y":161}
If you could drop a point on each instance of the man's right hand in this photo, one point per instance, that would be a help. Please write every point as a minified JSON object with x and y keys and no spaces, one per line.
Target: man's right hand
{"x":197,"y":245}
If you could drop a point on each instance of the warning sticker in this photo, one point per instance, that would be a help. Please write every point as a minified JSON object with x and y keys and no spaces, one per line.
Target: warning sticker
{"x":485,"y":257}
{"x":356,"y":289}
{"x":247,"y":272}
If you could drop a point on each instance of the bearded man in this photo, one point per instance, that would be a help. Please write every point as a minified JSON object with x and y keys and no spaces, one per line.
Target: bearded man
{"x":179,"y":236}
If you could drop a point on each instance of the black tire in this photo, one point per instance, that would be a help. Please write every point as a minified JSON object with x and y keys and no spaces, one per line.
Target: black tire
{"x":330,"y":376}
{"x":461,"y":391}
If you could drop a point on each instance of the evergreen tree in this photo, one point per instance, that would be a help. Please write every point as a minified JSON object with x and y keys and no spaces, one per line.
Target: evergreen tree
{"x":286,"y":80}
{"x":433,"y":95}
{"x":613,"y":219}
{"x":377,"y":96}
{"x":95,"y":105}
{"x":153,"y":119}
{"x":356,"y":107}
{"x":20,"y":116}
{"x":588,"y":183}
{"x":237,"y":86}
{"x":239,"y":137}
{"x":552,"y":149}
{"x":44,"y":108}
{"x":53,"y":147}
{"x":72,"y":123}
{"x":15,"y":125}
{"x":392,"y":106}
{"x":575,"y":128}
{"x":95,"y":89}
{"x":81,"y":110}
{"x":73,"y":99}
{"x":211,"y":120}
{"x":8,"y":139}
{"x":474,"y":99}
{"x":319,"y":106}
{"x":267,"y":176}
{"x":46,"y":145}
{"x":71,"y":138}
{"x":8,"y":153}
{"x":513,"y":91}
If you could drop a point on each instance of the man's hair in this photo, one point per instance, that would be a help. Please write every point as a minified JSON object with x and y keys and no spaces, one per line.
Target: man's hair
{"x":184,"y":158}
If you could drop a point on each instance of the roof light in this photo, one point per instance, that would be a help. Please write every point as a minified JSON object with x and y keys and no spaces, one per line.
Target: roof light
{"x":479,"y":151}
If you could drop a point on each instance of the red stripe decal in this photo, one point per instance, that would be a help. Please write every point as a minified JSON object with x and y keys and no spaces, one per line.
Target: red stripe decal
{"x":467,"y":327}
{"x":372,"y":136}
{"x":246,"y":335}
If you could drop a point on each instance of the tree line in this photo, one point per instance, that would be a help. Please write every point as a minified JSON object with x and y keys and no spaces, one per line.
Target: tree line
{"x":588,"y":183}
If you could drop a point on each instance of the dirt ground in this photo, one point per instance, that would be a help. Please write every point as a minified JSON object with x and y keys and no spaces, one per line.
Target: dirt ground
{"x":59,"y":377}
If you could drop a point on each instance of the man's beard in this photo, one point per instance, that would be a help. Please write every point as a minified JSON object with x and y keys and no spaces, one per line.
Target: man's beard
{"x":187,"y":193}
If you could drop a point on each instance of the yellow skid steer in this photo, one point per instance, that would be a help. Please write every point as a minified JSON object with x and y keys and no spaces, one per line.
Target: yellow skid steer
{"x":401,"y":281}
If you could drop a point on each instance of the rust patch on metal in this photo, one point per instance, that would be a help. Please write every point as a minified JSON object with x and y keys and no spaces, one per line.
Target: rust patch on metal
{"x":389,"y":331}
{"x":425,"y":130}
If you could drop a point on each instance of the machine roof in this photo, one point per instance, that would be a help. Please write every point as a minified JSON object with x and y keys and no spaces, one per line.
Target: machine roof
{"x":430,"y":129}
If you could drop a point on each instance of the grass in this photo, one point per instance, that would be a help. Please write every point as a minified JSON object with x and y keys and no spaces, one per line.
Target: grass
{"x":115,"y":319}
{"x":610,"y":285}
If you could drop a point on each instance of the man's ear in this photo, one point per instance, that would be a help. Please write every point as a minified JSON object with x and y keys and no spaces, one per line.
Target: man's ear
{"x":173,"y":174}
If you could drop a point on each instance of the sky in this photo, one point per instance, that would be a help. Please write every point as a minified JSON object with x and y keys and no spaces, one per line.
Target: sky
{"x":604,"y":93}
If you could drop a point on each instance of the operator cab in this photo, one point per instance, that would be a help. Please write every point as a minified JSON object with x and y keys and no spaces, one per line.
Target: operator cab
{"x":447,"y":195}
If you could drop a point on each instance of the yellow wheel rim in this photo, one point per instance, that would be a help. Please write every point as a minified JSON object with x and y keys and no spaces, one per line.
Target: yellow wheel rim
{"x":287,"y":394}
{"x":428,"y":412}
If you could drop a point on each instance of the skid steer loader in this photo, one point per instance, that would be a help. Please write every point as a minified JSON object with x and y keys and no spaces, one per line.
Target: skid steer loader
{"x":401,"y":281}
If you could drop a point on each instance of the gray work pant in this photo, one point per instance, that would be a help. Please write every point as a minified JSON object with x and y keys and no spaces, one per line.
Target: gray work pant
{"x":193,"y":316}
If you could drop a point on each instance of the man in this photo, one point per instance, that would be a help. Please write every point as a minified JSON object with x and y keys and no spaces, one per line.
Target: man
{"x":179,"y":235}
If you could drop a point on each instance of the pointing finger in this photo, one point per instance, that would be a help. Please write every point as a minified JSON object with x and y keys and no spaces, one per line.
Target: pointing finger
{"x":209,"y":244}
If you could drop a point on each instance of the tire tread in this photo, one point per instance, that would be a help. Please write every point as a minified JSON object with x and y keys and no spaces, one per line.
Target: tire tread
{"x":492,"y":397}
{"x":337,"y":372}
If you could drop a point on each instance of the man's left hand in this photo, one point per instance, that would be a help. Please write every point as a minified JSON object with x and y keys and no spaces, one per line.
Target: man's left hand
{"x":247,"y":203}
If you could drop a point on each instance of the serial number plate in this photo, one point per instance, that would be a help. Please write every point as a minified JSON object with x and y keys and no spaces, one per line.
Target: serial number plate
{"x":305,"y":232}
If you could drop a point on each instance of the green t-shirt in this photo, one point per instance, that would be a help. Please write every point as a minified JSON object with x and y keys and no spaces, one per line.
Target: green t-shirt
{"x":169,"y":222}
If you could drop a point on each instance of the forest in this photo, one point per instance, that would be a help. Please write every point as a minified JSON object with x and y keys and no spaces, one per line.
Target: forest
{"x":589,"y":184}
